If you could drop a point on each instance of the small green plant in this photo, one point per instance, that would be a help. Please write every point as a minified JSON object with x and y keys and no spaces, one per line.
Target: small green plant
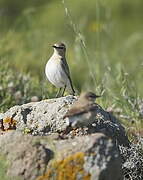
{"x":17,"y":88}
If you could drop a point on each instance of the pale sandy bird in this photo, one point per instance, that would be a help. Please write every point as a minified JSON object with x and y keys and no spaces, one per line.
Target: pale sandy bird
{"x":82,"y":112}
{"x":57,"y":70}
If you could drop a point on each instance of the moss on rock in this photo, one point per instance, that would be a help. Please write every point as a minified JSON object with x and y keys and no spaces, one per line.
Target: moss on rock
{"x":70,"y":168}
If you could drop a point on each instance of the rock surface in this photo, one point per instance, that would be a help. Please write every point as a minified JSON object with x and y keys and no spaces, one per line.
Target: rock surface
{"x":46,"y":117}
{"x":92,"y":157}
{"x":40,"y":117}
{"x":27,"y":157}
{"x":37,"y":143}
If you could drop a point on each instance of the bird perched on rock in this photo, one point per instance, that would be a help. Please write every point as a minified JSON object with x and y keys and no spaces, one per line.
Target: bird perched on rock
{"x":82,"y":112}
{"x":57,"y":70}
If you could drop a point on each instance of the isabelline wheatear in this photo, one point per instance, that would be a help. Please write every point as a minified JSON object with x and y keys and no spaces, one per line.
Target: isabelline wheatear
{"x":57,"y":70}
{"x":83,"y":110}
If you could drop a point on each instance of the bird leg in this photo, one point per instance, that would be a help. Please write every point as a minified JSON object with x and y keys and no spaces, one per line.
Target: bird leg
{"x":58,"y":93}
{"x":63,"y":91}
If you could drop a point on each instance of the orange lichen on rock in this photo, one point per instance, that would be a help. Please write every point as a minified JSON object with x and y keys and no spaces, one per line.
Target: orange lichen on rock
{"x":70,"y":168}
{"x":9,"y":124}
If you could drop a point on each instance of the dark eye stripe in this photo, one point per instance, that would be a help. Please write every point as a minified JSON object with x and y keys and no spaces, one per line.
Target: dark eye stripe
{"x":58,"y":47}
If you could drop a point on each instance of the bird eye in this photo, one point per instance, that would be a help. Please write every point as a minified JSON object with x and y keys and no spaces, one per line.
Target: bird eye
{"x":60,"y":47}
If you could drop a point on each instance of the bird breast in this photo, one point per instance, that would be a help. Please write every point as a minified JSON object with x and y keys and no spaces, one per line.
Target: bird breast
{"x":55,"y":73}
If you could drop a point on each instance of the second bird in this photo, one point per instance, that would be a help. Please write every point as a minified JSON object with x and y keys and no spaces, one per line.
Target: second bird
{"x":57,"y":70}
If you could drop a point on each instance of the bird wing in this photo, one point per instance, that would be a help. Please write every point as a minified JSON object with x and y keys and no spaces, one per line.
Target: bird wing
{"x":77,"y":110}
{"x":65,"y":67}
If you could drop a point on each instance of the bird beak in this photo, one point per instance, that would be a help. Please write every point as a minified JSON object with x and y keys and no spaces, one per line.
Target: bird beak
{"x":54,"y":46}
{"x":98,"y":96}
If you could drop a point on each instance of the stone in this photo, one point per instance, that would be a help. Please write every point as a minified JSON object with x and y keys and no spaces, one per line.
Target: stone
{"x":41,"y":117}
{"x":26,"y":156}
{"x":46,"y":117}
{"x":34,"y":157}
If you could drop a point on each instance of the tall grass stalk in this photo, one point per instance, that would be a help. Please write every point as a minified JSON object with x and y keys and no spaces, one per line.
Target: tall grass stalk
{"x":79,"y":36}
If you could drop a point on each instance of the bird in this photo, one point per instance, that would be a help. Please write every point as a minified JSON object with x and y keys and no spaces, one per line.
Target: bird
{"x":57,"y":70}
{"x":83,"y":110}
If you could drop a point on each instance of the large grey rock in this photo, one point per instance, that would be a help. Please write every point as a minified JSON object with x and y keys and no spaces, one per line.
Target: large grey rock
{"x":101,"y":157}
{"x":25,"y":155}
{"x":40,"y":117}
{"x":106,"y":163}
{"x":46,"y":117}
{"x":31,"y":157}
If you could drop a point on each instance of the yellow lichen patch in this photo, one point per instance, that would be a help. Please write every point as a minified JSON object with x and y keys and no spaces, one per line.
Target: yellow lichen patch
{"x":27,"y":130}
{"x":9,"y":123}
{"x":70,"y":168}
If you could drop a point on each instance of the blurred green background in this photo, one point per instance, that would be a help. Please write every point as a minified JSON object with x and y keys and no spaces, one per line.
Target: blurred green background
{"x":104,"y":40}
{"x":111,"y":30}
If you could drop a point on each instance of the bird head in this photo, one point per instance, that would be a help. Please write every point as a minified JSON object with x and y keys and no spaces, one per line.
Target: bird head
{"x":59,"y":48}
{"x":90,"y":96}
